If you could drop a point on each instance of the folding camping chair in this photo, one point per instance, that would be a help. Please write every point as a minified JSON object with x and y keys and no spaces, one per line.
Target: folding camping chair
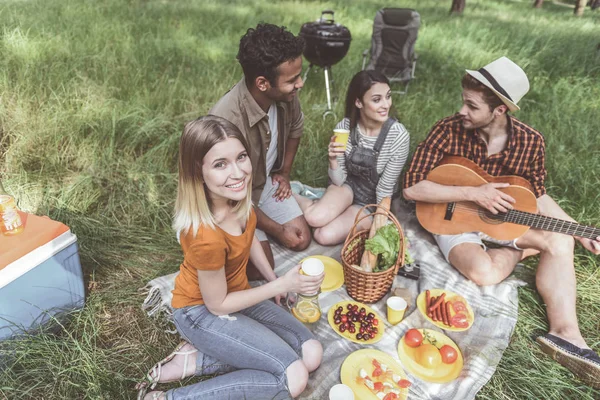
{"x":392,"y":49}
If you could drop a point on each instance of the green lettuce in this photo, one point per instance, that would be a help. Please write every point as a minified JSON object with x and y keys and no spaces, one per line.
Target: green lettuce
{"x":385,"y":242}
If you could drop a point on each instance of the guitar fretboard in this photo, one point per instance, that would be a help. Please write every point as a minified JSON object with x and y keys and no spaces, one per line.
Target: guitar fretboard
{"x":545,"y":223}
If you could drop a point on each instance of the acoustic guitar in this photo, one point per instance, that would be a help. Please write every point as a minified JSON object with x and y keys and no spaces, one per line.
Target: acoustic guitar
{"x":465,"y":216}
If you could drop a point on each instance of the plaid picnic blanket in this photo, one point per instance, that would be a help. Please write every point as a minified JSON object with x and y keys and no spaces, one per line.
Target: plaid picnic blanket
{"x":495,"y":309}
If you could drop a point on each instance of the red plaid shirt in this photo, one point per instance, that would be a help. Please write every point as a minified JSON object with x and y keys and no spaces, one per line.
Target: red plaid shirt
{"x":524,"y":154}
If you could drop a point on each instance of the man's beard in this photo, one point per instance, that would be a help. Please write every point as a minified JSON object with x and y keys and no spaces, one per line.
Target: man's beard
{"x":481,"y":125}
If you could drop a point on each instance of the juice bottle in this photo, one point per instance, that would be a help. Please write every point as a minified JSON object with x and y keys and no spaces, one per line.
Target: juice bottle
{"x":10,"y":221}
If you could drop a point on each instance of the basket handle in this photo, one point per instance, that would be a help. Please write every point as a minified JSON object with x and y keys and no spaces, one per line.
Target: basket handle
{"x":384,"y":211}
{"x":380,"y":210}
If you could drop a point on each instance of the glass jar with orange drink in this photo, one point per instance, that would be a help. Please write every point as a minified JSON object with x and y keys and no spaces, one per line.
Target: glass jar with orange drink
{"x":305,"y":306}
{"x":10,"y":221}
{"x":307,"y":309}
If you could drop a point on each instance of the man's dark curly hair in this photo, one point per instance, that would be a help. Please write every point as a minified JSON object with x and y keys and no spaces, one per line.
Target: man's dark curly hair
{"x":264,"y":48}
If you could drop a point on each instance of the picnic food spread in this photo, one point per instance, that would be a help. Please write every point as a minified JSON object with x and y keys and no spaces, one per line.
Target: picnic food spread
{"x":430,"y":355}
{"x":356,"y":322}
{"x":373,"y":374}
{"x":426,"y":354}
{"x":446,"y":309}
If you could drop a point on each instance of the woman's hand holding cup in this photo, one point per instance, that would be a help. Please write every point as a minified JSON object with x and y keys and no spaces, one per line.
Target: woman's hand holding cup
{"x":337,"y":143}
{"x":335,"y":148}
{"x":299,"y":283}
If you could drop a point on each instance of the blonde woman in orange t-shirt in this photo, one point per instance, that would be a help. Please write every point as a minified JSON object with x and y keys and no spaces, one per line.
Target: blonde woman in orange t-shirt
{"x":261,"y":350}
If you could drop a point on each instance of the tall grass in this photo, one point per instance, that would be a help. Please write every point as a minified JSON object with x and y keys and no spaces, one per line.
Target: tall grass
{"x":93,"y":97}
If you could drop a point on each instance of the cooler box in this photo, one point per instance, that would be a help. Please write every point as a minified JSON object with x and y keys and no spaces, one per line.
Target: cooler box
{"x":40,"y":275}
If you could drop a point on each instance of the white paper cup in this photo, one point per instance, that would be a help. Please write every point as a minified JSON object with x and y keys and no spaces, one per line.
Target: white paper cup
{"x":341,"y":392}
{"x":312,"y":267}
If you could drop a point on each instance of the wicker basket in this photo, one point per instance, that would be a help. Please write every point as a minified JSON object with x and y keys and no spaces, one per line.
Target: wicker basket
{"x":368,"y":287}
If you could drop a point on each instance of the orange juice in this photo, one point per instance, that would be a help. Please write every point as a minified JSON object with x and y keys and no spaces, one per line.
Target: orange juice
{"x":10,"y":221}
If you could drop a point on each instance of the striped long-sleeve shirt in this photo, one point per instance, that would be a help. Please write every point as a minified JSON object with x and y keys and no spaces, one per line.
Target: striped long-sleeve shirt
{"x":391,"y":159}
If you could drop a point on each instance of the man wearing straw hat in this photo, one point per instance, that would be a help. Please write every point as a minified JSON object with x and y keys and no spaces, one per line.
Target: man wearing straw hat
{"x":484,"y":132}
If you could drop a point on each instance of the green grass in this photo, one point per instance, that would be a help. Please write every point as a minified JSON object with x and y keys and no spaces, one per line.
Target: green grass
{"x":93,"y":97}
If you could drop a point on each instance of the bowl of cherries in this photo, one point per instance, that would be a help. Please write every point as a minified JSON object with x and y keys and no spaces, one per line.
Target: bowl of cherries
{"x":356,"y":322}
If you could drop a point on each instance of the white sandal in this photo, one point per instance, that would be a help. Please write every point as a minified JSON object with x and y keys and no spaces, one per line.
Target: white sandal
{"x":153,"y":376}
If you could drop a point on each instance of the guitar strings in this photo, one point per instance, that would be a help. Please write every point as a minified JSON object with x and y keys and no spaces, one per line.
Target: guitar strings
{"x":530,"y":218}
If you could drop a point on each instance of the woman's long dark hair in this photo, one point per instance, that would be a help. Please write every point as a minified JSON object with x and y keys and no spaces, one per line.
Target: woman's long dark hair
{"x":359,"y":85}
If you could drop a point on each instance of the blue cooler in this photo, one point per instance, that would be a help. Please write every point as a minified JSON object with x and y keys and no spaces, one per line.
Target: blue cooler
{"x":40,"y":275}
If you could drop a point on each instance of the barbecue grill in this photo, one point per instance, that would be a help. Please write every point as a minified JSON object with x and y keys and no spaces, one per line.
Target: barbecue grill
{"x":326,"y":44}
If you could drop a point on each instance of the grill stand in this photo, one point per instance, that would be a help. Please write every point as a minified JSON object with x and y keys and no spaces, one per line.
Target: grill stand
{"x":328,"y":88}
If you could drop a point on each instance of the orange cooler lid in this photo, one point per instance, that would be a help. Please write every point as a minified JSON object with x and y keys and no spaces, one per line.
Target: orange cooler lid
{"x":37,"y":232}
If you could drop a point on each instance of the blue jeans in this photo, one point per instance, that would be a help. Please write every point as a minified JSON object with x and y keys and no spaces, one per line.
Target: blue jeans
{"x":256,"y":344}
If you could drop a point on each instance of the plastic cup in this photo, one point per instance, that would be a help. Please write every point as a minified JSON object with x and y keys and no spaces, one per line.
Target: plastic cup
{"x":341,"y":392}
{"x":396,"y":306}
{"x":312,"y":267}
{"x":341,"y":136}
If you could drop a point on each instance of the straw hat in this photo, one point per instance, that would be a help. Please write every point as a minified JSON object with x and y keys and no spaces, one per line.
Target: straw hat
{"x":506,"y":79}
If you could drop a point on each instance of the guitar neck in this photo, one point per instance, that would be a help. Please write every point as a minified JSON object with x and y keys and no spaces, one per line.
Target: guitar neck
{"x":545,"y":223}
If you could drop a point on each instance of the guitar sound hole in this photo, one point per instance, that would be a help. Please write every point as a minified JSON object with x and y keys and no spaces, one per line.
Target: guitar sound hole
{"x":489,"y":218}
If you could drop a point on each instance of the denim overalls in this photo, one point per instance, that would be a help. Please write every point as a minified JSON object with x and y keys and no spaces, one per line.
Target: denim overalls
{"x":361,"y":166}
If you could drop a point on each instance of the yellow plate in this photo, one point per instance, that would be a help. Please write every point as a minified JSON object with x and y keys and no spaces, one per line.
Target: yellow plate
{"x":363,"y":359}
{"x":334,"y":273}
{"x":352,"y":336}
{"x":450,"y":296}
{"x":443,"y":373}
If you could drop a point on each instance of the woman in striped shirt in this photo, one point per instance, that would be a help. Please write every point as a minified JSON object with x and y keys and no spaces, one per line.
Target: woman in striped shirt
{"x":365,"y":169}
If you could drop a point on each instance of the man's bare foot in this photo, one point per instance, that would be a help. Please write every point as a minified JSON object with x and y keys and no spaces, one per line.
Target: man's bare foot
{"x":173,"y":370}
{"x":156,"y":395}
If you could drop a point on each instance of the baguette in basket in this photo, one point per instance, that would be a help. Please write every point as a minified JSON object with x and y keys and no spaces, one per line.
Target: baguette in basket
{"x":369,"y":287}
{"x":369,"y":260}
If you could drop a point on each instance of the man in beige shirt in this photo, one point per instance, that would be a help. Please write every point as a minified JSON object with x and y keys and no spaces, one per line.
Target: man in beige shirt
{"x":264,"y":105}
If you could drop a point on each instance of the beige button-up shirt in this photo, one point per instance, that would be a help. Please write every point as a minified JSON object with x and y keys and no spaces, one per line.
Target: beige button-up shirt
{"x":239,"y":107}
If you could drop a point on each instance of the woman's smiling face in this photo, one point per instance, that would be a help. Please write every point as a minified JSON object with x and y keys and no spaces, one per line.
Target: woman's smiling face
{"x":226,"y":170}
{"x":376,"y":103}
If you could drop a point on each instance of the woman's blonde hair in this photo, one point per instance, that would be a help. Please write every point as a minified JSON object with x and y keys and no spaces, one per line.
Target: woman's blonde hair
{"x":193,"y":206}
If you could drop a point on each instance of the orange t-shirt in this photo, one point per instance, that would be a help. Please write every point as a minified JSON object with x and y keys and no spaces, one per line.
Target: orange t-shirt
{"x":211,"y":250}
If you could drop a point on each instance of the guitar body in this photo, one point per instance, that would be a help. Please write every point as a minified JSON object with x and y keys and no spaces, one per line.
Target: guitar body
{"x":461,"y":217}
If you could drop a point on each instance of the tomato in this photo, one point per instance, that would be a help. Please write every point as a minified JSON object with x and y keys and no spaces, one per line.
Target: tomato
{"x":449,"y":354}
{"x":428,"y":356}
{"x":376,"y":363}
{"x":378,"y":386}
{"x":344,"y":318}
{"x":404,"y":383}
{"x":413,"y":338}
{"x":375,"y":321}
{"x":459,"y":306}
{"x":391,"y":396}
{"x":459,"y":320}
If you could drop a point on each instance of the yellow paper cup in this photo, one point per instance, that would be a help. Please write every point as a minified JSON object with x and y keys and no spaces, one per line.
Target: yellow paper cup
{"x":396,"y":306}
{"x":341,"y":136}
